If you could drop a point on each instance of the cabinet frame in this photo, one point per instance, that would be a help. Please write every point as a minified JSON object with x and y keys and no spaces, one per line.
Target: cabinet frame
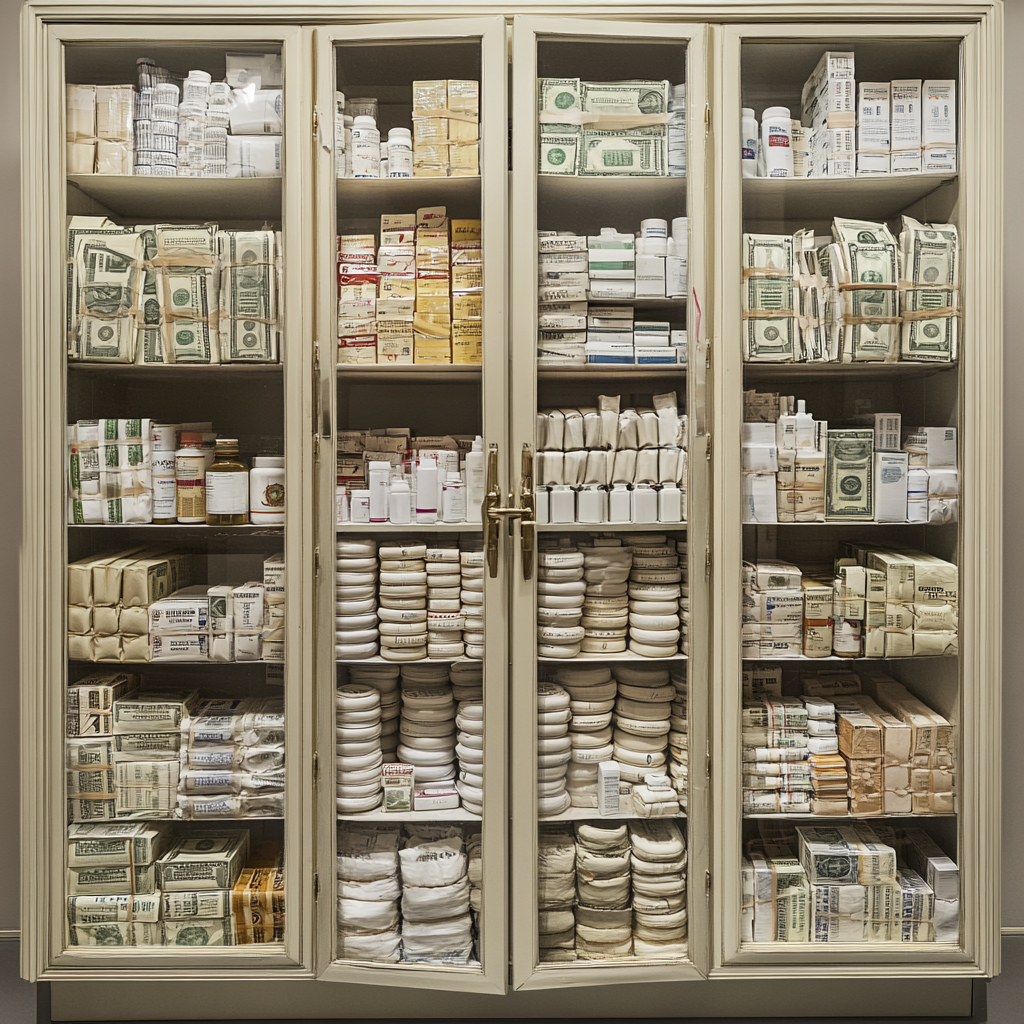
{"x":979,"y":558}
{"x":43,"y":575}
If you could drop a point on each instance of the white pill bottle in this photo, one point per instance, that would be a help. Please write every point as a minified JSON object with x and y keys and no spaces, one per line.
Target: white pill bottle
{"x":365,"y":148}
{"x":777,"y":142}
{"x":748,"y":143}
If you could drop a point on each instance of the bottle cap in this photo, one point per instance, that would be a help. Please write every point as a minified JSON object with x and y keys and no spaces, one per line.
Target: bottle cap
{"x":454,"y":478}
{"x":364,"y":121}
{"x":268,"y":462}
{"x":399,"y":135}
{"x":189,"y":437}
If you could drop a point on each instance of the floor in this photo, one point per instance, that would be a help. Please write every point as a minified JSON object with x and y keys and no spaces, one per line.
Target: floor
{"x":1000,"y":1002}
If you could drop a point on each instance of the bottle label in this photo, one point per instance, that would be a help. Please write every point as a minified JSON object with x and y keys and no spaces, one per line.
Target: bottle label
{"x":227,"y":494}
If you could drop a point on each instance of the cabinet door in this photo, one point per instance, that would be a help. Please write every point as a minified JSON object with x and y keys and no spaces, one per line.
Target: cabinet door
{"x":830,"y":648}
{"x":162,"y":818}
{"x":609,"y":604}
{"x":412,"y":367}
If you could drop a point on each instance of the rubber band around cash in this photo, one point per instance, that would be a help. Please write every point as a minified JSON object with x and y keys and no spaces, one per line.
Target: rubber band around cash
{"x":939,"y":313}
{"x":768,"y":314}
{"x":595,"y":120}
{"x":766,"y":272}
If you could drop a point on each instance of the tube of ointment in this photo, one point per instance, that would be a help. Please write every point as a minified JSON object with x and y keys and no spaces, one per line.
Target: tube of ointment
{"x":609,"y":409}
{"x":575,"y":467}
{"x":556,"y":430}
{"x":646,"y":466}
{"x":572,"y":438}
{"x":628,"y":425}
{"x":625,"y":466}
{"x":667,"y":409}
{"x":591,"y":429}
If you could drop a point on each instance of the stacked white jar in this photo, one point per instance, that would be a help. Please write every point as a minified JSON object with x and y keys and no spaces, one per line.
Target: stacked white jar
{"x":554,"y":749}
{"x":606,"y":569}
{"x":654,"y":592}
{"x":359,"y":756}
{"x":560,"y":597}
{"x":403,"y":602}
{"x":682,"y":550}
{"x":471,"y":596}
{"x":642,"y":710}
{"x":469,"y":718}
{"x":678,"y":737}
{"x":445,"y":620}
{"x":384,"y":679}
{"x":426,"y":737}
{"x":591,"y":690}
{"x":355,"y":609}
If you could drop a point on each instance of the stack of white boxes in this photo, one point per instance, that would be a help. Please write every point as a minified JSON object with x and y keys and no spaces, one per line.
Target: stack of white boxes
{"x":830,"y":112}
{"x":776,"y":776}
{"x":773,"y":609}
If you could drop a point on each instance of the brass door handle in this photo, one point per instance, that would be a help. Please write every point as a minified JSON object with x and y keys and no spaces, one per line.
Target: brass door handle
{"x":494,"y":512}
{"x":528,"y":513}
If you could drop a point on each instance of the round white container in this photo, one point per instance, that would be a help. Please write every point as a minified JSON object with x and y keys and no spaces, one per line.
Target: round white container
{"x":399,"y":153}
{"x":748,"y":142}
{"x":266,"y":490}
{"x":365,"y":148}
{"x":777,"y":142}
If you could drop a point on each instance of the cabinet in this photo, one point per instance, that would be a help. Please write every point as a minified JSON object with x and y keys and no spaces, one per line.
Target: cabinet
{"x":497,"y":642}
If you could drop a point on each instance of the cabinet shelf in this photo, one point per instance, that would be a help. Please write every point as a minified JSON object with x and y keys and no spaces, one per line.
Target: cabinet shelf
{"x":802,"y":660}
{"x":609,"y":527}
{"x":584,"y":202}
{"x":591,"y":814}
{"x":846,"y":524}
{"x":192,"y":372}
{"x":779,"y":816}
{"x":249,"y":199}
{"x":406,"y":528}
{"x":758,"y":372}
{"x":424,"y":373}
{"x":363,"y":195}
{"x":378,"y":660}
{"x":627,"y":656}
{"x":447,"y":814}
{"x":626,"y":374}
{"x":809,"y":199}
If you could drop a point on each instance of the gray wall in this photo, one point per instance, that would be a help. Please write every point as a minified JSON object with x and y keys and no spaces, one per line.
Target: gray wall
{"x":10,"y":463}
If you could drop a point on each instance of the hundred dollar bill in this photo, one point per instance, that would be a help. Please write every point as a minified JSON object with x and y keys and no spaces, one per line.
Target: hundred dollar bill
{"x":193,"y":903}
{"x":117,"y":933}
{"x":199,"y":932}
{"x":256,"y":805}
{"x":628,"y":98}
{"x":149,"y":342}
{"x":188,"y":297}
{"x":770,"y":341}
{"x":864,"y":232}
{"x":849,"y":490}
{"x":559,"y":149}
{"x":873,"y":334}
{"x":929,"y":256}
{"x":768,"y":288}
{"x":557,"y":94}
{"x":86,"y":910}
{"x":109,"y":275}
{"x":248,"y":296}
{"x":209,"y":861}
{"x":177,"y":240}
{"x":113,"y":845}
{"x":111,"y":881}
{"x":106,"y":339}
{"x":844,"y":855}
{"x":625,"y":151}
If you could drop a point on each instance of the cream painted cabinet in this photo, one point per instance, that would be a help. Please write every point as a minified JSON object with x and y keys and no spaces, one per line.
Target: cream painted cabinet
{"x":528,"y":401}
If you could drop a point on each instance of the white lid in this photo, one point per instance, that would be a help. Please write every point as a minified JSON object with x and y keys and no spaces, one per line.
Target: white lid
{"x":801,"y":405}
{"x":365,"y":121}
{"x":776,"y":112}
{"x":478,"y":443}
{"x":747,"y":112}
{"x":399,"y":483}
{"x":380,"y":465}
{"x":454,"y":478}
{"x":200,"y":76}
{"x":400,"y":134}
{"x":268,"y":462}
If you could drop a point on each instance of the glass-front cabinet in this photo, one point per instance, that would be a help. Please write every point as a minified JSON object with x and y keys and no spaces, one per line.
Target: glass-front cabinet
{"x":520,"y":491}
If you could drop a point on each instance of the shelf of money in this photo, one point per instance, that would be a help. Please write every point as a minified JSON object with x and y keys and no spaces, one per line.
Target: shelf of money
{"x":169,"y":646}
{"x":418,"y":309}
{"x":602,"y":295}
{"x":847,"y":566}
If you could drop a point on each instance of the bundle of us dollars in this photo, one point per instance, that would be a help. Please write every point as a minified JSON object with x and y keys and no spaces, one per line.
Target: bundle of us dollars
{"x":865,"y":271}
{"x":249,"y":321}
{"x":631,"y":98}
{"x":626,"y":152}
{"x":559,"y":141}
{"x":770,"y":324}
{"x":187,"y":288}
{"x":929,"y":291}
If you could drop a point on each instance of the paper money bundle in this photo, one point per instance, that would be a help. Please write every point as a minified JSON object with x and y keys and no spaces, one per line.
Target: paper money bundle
{"x":168,"y":293}
{"x":775,"y":894}
{"x":110,"y":471}
{"x":605,"y":128}
{"x":929,"y":291}
{"x":770,"y":326}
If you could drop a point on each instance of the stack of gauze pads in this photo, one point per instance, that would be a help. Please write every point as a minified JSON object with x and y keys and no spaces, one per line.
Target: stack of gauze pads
{"x":384,"y":679}
{"x":679,"y":734}
{"x":445,"y":620}
{"x":643,"y":708}
{"x":654,"y":594}
{"x":436,"y":922}
{"x":359,"y":755}
{"x":658,"y":863}
{"x":556,"y":893}
{"x":683,"y":551}
{"x":403,"y":602}
{"x":472,"y":597}
{"x":368,"y":893}
{"x":554,"y":748}
{"x":591,"y":690}
{"x":426,"y":731}
{"x":355,"y":577}
{"x":469,"y":746}
{"x":604,"y":918}
{"x":606,"y":570}
{"x":560,"y":596}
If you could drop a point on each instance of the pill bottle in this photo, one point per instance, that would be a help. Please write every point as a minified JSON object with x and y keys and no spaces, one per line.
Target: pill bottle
{"x":748,"y":142}
{"x":365,"y":148}
{"x":227,"y":486}
{"x":266,"y":490}
{"x":399,"y":153}
{"x":776,"y":142}
{"x":453,"y":509}
{"x":190,"y":479}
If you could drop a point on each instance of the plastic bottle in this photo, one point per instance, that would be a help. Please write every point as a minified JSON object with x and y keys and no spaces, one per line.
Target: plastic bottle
{"x":670,"y":504}
{"x":777,"y":143}
{"x":266,"y":490}
{"x":365,"y":148}
{"x":804,"y":426}
{"x":454,"y":507}
{"x":383,"y":160}
{"x":399,"y":153}
{"x":748,"y":143}
{"x":379,"y":474}
{"x":190,"y":479}
{"x":426,"y":491}
{"x":227,"y":486}
{"x":475,"y":480}
{"x":399,"y":501}
{"x":785,"y":427}
{"x":619,"y":504}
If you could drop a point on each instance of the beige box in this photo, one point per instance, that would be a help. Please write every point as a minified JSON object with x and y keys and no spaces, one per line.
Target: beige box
{"x":467,"y":341}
